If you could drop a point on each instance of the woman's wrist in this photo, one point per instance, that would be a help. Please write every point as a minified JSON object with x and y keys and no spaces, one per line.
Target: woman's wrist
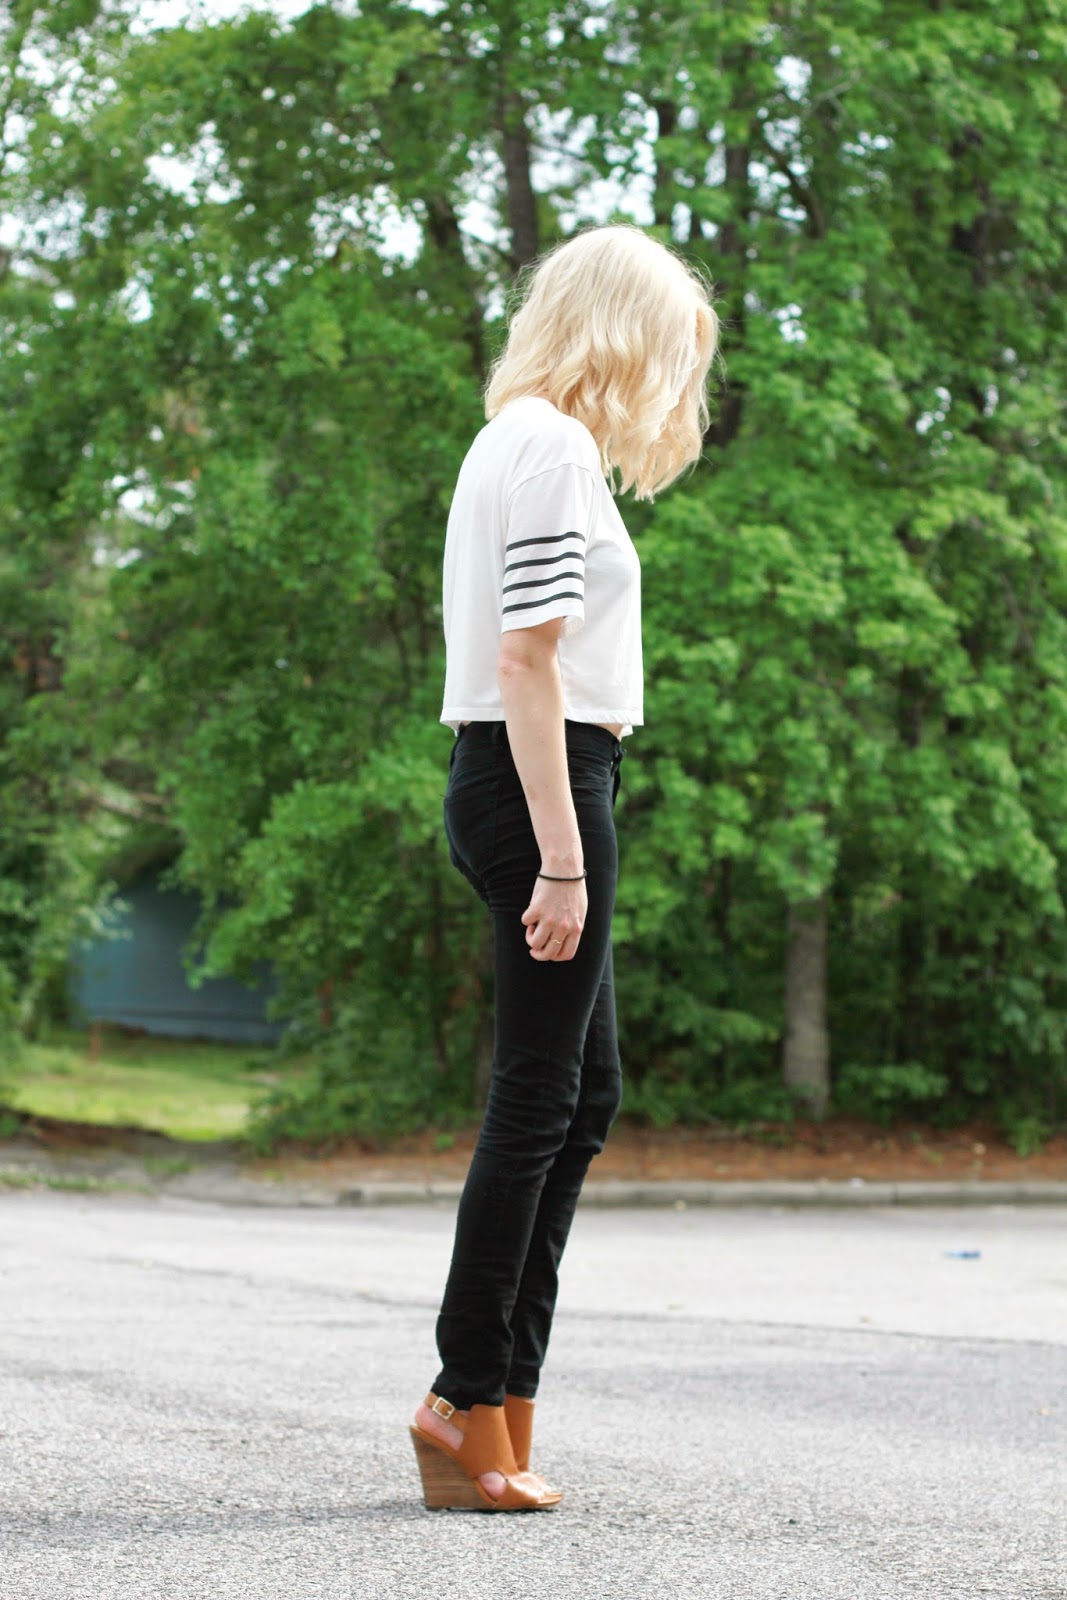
{"x":563,"y":863}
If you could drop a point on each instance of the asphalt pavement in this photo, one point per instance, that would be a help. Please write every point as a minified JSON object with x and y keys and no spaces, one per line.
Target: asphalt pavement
{"x":205,"y":1402}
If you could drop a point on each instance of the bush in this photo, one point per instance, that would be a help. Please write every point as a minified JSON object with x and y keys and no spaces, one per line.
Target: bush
{"x":367,"y":1080}
{"x":685,"y":1100}
{"x":10,"y":1039}
{"x":881,"y":1093}
{"x":1025,"y":1129}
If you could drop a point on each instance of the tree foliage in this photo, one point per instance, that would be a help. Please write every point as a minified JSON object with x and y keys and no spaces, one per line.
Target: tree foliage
{"x":235,"y":416}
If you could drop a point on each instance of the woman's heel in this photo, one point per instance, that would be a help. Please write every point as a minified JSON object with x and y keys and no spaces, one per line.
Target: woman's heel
{"x":445,"y":1485}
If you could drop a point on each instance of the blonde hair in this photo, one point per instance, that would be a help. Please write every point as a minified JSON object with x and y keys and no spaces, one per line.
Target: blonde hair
{"x":619,"y":331}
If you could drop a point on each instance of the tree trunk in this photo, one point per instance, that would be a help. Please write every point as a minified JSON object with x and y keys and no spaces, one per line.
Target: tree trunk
{"x":663,"y":183}
{"x":731,"y":261}
{"x":910,"y":1039}
{"x":443,"y":228}
{"x":723,"y":912}
{"x":806,"y":1052}
{"x":520,"y":199}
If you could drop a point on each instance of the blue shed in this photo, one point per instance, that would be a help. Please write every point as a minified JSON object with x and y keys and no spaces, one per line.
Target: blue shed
{"x":136,"y":977}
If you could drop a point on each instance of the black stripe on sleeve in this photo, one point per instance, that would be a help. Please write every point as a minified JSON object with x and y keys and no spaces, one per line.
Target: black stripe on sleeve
{"x":546,"y":538}
{"x":526,"y":605}
{"x":539,"y":583}
{"x":544,"y":561}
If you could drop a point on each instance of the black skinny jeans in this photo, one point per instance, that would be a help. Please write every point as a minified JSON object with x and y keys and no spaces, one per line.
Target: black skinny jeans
{"x":556,"y":1081}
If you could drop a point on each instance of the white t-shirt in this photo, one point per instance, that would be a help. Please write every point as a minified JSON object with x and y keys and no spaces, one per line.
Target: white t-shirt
{"x":533,"y":533}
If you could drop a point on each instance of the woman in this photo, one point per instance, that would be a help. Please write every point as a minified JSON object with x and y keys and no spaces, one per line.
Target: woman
{"x":604,"y":368}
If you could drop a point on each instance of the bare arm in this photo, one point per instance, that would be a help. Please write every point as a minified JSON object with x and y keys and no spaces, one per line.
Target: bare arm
{"x":532,"y":692}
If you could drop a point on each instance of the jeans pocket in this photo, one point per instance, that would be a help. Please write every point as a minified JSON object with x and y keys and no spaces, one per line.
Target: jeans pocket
{"x":470,"y":813}
{"x":449,"y":840}
{"x":589,"y":771}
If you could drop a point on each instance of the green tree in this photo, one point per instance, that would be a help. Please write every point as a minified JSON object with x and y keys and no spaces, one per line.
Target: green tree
{"x":843,"y":826}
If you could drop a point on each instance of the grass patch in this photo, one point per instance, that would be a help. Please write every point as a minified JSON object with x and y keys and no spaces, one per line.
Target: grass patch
{"x":188,"y":1089}
{"x":167,"y":1166}
{"x":11,"y":1178}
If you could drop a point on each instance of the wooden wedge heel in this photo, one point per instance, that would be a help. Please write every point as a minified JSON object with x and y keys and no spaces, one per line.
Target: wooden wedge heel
{"x":450,"y":1476}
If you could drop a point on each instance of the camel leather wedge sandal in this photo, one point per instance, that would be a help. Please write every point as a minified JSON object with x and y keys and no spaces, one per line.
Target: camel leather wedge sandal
{"x":519,"y":1416}
{"x":450,"y":1475}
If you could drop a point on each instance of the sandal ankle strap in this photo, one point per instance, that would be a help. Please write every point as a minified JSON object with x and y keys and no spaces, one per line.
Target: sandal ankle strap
{"x":486,"y":1445}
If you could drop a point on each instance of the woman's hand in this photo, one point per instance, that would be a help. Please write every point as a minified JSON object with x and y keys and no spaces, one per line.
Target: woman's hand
{"x":555,"y":918}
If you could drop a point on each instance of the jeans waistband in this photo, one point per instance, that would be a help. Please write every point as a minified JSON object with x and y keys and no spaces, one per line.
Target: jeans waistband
{"x":588,"y":735}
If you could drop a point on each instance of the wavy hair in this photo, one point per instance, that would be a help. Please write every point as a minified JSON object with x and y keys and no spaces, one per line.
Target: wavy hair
{"x":619,"y":331}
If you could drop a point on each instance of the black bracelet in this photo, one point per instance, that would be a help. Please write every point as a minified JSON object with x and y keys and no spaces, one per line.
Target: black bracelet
{"x":550,"y":878}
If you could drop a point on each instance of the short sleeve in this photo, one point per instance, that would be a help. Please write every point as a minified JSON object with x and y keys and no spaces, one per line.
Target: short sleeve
{"x":549,"y":526}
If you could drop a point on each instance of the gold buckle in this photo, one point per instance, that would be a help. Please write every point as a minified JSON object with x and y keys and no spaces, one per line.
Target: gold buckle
{"x":447,"y":1410}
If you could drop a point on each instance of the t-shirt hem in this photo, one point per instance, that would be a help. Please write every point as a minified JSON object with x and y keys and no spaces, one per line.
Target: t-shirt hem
{"x":454,"y":715}
{"x":572,"y":611}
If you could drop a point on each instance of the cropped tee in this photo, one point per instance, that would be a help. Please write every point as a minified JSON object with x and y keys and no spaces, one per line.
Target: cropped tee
{"x":534,"y":533}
